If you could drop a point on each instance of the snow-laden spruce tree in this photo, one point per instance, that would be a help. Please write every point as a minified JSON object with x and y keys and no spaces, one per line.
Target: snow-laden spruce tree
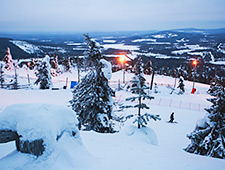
{"x":214,"y":85}
{"x":67,"y":64}
{"x":33,"y":64}
{"x":138,"y":68}
{"x":55,"y":71}
{"x":93,"y":54}
{"x":44,"y":74}
{"x":54,"y":62}
{"x":209,"y":136}
{"x":8,"y":60}
{"x":92,"y":100}
{"x":139,"y":89}
{"x":181,"y":85}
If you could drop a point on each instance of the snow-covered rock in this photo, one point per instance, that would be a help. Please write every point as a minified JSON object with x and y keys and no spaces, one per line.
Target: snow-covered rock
{"x":69,"y":154}
{"x":35,"y":122}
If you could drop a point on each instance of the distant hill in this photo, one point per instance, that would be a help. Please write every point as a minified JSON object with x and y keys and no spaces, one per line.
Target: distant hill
{"x":15,"y":50}
{"x":167,"y":50}
{"x":176,"y":43}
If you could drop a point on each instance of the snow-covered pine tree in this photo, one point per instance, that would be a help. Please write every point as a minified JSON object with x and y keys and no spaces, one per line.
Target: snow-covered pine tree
{"x":141,"y":119}
{"x":15,"y":82}
{"x":93,"y":54}
{"x":148,"y":68}
{"x":174,"y":72}
{"x":67,"y":64}
{"x":208,"y":138}
{"x":92,"y":100}
{"x":55,"y":70}
{"x":77,"y":62}
{"x":2,"y":80}
{"x":213,"y":86}
{"x":44,"y":74}
{"x":54,"y":62}
{"x":156,"y":88}
{"x":33,"y":64}
{"x":92,"y":103}
{"x":138,"y":68}
{"x":8,"y":60}
{"x":181,"y":85}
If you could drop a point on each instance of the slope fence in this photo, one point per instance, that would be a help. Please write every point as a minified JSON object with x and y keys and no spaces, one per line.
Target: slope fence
{"x":170,"y":103}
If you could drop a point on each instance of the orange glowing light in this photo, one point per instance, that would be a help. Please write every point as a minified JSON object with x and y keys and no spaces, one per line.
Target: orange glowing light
{"x":28,"y":64}
{"x":195,"y":62}
{"x":122,"y":59}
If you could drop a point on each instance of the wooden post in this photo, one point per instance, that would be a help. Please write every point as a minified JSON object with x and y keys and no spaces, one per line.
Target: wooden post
{"x":119,"y":85}
{"x":160,"y":101}
{"x":28,"y":79}
{"x":153,"y":73}
{"x":180,"y":104}
{"x":66,"y":81}
{"x":174,"y":85}
{"x":15,"y":85}
{"x":7,"y":136}
{"x":124,"y":73}
{"x":65,"y":87}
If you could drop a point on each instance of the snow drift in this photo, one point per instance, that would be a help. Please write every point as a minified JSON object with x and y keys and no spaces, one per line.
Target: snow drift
{"x":39,"y":121}
{"x":57,"y":126}
{"x":144,"y":134}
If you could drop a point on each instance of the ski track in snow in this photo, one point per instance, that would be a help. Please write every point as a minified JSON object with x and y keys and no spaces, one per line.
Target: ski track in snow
{"x":27,"y":47}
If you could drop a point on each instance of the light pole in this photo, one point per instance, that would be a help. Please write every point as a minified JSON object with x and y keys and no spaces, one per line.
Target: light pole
{"x":195,"y":62}
{"x":122,"y":61}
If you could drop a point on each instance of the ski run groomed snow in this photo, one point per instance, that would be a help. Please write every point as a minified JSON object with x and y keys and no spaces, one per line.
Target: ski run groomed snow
{"x":157,"y":147}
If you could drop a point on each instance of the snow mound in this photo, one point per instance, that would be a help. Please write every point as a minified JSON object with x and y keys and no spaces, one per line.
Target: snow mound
{"x":69,"y":154}
{"x":144,"y":134}
{"x":39,"y":121}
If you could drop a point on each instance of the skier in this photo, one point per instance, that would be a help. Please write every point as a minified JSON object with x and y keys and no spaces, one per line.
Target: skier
{"x":181,"y":84}
{"x":171,"y":118}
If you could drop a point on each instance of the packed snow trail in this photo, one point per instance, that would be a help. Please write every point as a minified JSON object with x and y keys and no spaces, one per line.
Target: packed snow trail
{"x":119,"y":150}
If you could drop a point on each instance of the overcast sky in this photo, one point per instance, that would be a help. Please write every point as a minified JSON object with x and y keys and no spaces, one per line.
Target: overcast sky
{"x":109,"y":15}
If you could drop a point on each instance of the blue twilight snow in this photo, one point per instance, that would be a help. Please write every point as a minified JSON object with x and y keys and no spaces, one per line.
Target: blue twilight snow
{"x":39,"y":121}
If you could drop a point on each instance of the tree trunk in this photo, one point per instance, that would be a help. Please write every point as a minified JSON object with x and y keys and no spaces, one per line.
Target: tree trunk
{"x":139,"y":112}
{"x":78,"y":67}
{"x":153,"y":73}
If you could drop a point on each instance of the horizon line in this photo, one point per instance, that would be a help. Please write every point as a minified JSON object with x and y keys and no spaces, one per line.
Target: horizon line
{"x":102,"y":31}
